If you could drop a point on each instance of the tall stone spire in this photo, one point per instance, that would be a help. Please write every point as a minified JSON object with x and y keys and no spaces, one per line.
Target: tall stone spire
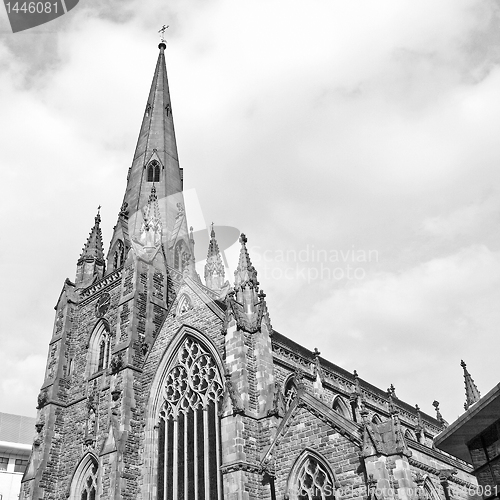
{"x":155,"y":161}
{"x":214,"y":268}
{"x":472,"y":394}
{"x":91,"y":261}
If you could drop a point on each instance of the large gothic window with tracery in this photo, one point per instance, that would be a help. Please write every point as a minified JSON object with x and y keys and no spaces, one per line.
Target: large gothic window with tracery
{"x":189,"y":431}
{"x":84,"y":483}
{"x":312,"y":481}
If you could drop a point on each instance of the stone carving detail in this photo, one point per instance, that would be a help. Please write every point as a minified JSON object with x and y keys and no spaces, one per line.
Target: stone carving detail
{"x":43,"y":399}
{"x":51,"y":368}
{"x":231,"y":396}
{"x":124,"y":210}
{"x":116,"y":363}
{"x":279,"y":406}
{"x":248,"y":322}
{"x":59,"y":323}
{"x":91,"y":424}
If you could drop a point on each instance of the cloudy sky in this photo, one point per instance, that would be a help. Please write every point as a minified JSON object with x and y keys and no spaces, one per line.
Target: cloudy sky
{"x":354,"y":142}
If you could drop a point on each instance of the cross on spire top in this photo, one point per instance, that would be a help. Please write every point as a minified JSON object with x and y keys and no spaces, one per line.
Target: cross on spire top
{"x":162,"y":33}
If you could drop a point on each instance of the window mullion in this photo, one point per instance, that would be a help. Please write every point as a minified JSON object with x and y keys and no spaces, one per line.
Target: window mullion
{"x":217,"y":451}
{"x":195,"y":454}
{"x":206,"y":454}
{"x":176,"y":458}
{"x":186,"y":430}
{"x":165,"y":460}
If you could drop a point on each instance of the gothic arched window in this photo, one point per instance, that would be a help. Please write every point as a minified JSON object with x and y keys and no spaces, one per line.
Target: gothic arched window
{"x":290,"y":392}
{"x":99,"y":348}
{"x":340,"y":407}
{"x":154,"y":172}
{"x":189,"y":453}
{"x":103,"y":360}
{"x":311,"y":479}
{"x":84,"y":482}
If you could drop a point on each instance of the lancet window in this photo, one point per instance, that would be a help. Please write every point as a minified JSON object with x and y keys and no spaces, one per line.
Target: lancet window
{"x":189,"y":454}
{"x":99,"y":348}
{"x":311,"y":481}
{"x":154,"y":172}
{"x":103,"y":360}
{"x":340,"y":407}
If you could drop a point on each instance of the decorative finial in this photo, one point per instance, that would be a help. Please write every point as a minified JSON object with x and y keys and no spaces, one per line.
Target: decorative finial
{"x":439,"y":417}
{"x":472,"y":394}
{"x":98,"y":216}
{"x":316,"y":352}
{"x":393,"y":390}
{"x":162,"y":37}
{"x":212,"y":232}
{"x":243,"y":238}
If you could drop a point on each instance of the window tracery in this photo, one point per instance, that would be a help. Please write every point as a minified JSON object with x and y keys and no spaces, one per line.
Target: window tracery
{"x":154,"y":172}
{"x":188,"y":431}
{"x":312,"y":481}
{"x":84,"y":483}
{"x":184,"y":305}
{"x":290,"y":392}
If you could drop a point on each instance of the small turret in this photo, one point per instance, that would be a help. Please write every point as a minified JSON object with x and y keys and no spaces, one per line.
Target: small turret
{"x":91,"y":265}
{"x":472,"y":394}
{"x":214,"y":268}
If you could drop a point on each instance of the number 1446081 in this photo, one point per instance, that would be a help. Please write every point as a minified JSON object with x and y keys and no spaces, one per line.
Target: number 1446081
{"x":32,"y":7}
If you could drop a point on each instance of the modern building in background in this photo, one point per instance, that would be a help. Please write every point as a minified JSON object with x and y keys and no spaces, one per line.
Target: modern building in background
{"x":16,"y":440}
{"x":162,"y":386}
{"x":475,"y":436}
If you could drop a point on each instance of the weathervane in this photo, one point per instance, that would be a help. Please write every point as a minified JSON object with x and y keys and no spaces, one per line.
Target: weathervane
{"x":162,"y":33}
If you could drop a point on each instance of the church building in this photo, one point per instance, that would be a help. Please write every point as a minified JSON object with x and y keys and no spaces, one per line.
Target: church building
{"x":161,"y":385}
